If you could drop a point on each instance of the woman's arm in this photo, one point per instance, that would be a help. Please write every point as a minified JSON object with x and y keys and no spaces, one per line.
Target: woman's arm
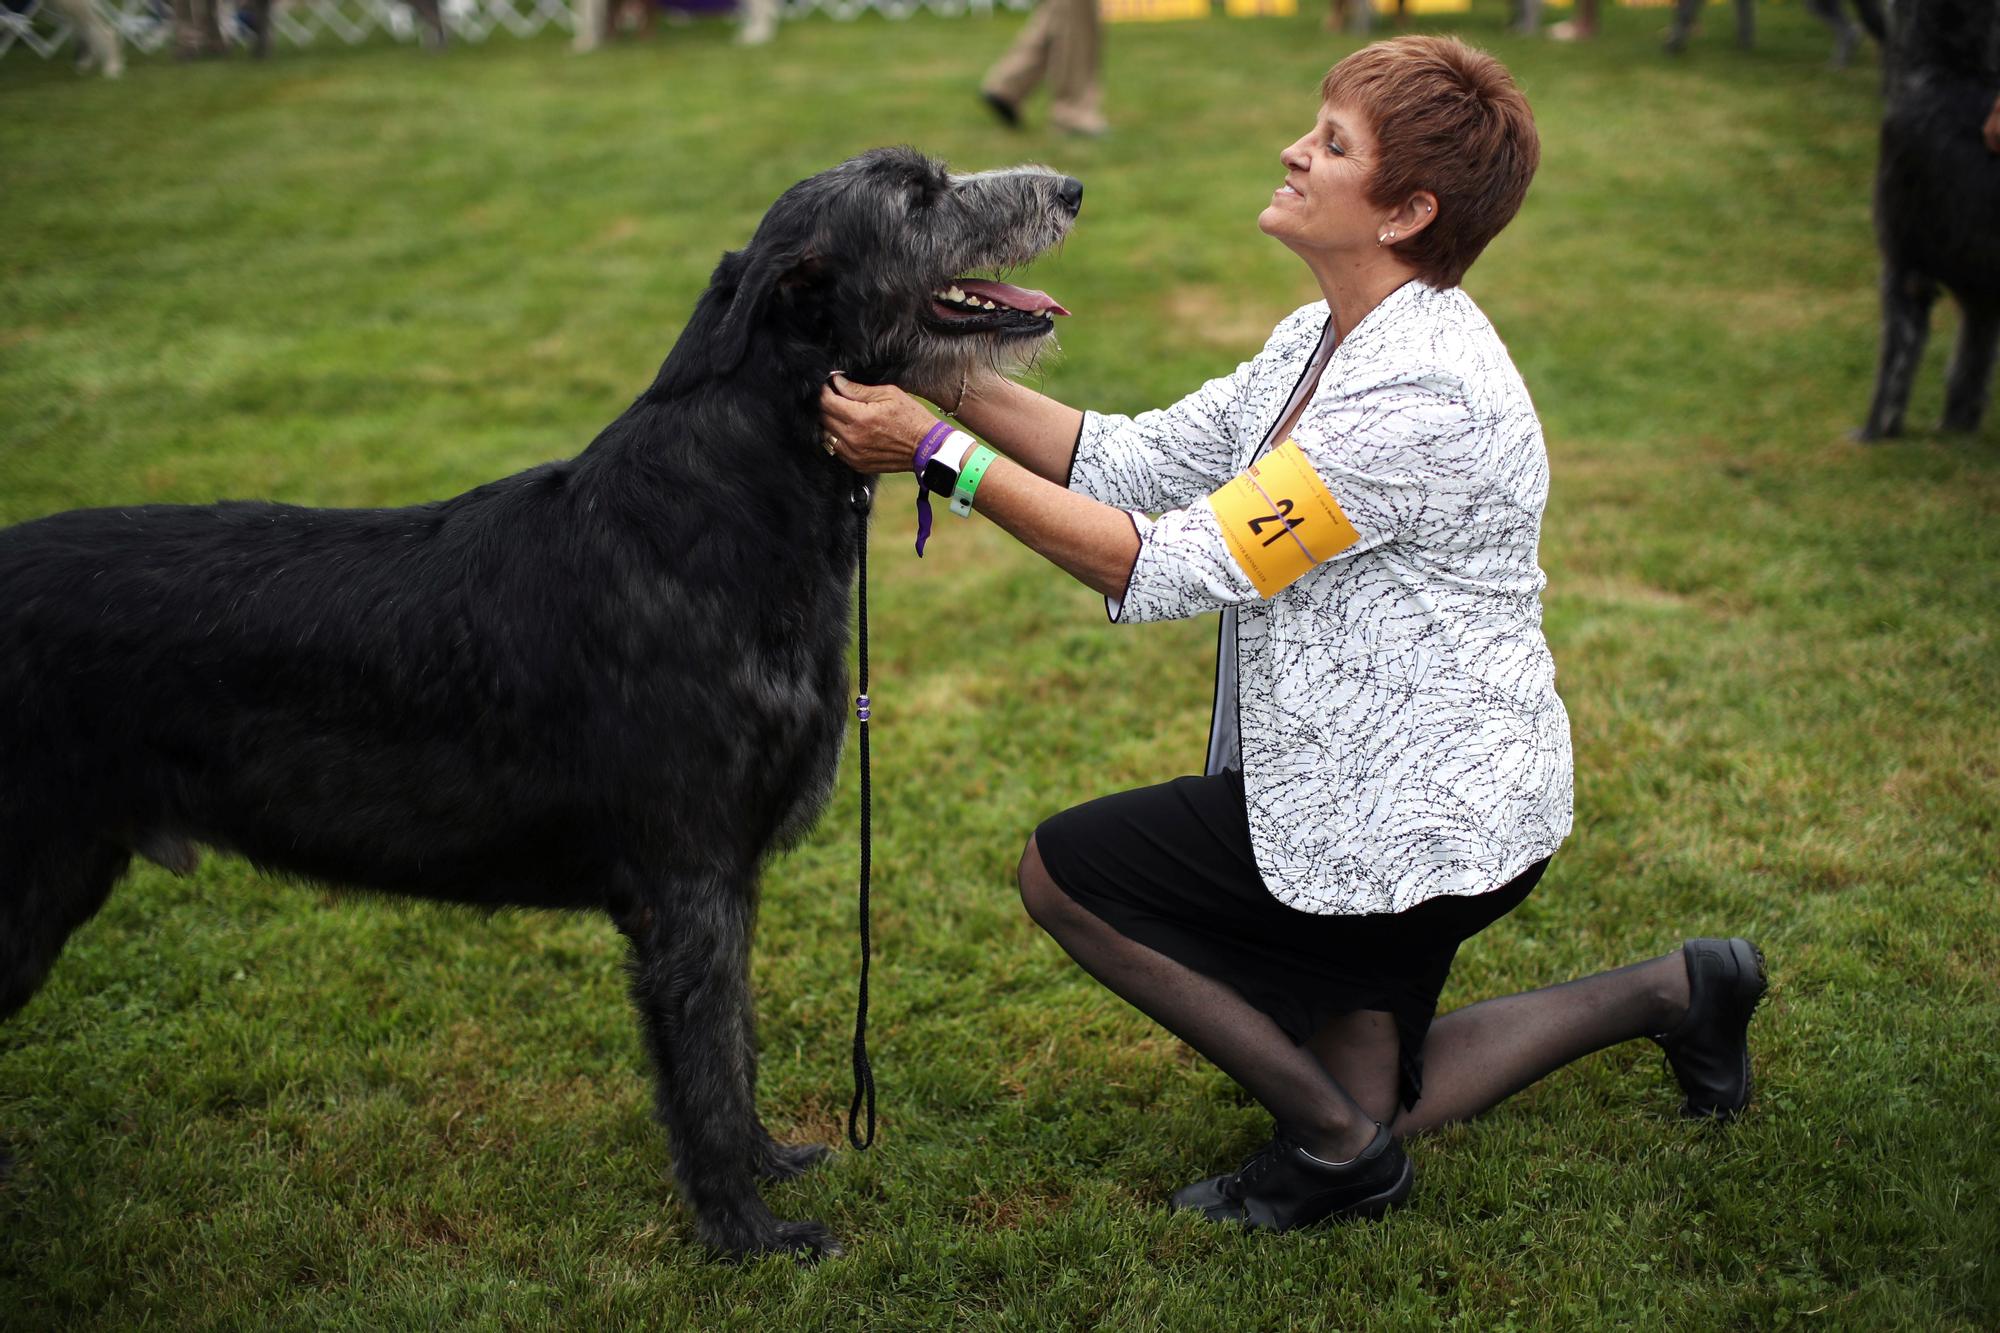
{"x":875,"y":429}
{"x":1033,"y":429}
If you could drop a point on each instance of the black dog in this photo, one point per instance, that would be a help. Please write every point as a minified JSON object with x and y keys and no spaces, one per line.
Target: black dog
{"x":616,"y":683}
{"x":1937,"y":205}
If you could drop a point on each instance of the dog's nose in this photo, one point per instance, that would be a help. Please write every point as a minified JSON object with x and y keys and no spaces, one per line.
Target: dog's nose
{"x":1071,"y":194}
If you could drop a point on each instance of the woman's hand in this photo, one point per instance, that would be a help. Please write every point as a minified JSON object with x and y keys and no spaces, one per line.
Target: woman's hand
{"x":872,"y":427}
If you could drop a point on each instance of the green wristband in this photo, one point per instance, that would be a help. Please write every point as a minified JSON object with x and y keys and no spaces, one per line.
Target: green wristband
{"x":969,"y":474}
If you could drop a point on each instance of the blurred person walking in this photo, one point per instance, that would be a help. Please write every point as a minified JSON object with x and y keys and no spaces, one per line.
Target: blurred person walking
{"x":1063,"y":43}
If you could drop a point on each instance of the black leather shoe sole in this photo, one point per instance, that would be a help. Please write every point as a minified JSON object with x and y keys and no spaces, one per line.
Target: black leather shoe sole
{"x":1710,"y":1052}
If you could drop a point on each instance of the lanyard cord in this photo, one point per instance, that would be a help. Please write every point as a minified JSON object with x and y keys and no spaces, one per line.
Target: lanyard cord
{"x":864,"y":1073}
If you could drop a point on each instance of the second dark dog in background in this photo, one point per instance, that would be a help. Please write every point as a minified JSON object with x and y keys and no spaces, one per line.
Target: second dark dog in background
{"x":1833,"y":13}
{"x":1937,"y":206}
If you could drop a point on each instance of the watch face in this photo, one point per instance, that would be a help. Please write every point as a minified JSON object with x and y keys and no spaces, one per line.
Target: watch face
{"x":938,"y":478}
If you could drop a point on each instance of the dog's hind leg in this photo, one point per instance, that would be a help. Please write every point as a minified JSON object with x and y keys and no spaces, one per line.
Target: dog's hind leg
{"x":1907,"y":297}
{"x":1685,"y":14}
{"x":48,"y":887}
{"x":47,"y":890}
{"x":1845,"y":34}
{"x":1870,"y":14}
{"x":1971,"y":375}
{"x":690,"y":982}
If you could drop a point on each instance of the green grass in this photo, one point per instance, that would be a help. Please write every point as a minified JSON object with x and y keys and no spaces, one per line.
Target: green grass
{"x":357,"y":277}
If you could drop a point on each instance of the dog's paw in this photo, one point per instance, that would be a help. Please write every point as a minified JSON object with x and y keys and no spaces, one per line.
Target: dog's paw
{"x":808,"y":1242}
{"x":786,"y":1161}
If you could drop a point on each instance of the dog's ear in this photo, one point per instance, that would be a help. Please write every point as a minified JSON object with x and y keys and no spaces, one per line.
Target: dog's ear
{"x":758,"y":281}
{"x":739,"y":298}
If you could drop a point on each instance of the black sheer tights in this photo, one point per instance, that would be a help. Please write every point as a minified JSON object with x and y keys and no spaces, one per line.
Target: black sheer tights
{"x":1238,"y":1038}
{"x":1329,"y":1094}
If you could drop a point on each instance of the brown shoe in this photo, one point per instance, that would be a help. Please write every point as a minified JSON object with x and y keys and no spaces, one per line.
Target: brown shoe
{"x":1084,"y":125}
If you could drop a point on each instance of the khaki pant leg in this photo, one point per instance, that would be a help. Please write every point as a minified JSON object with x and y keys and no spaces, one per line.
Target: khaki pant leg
{"x":1015,"y":74}
{"x":1073,"y":61}
{"x":589,"y":16}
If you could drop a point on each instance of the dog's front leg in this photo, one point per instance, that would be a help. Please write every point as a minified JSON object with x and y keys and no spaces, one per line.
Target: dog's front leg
{"x":1971,"y":375}
{"x":1907,"y":297}
{"x":775,"y":1160}
{"x":690,"y":982}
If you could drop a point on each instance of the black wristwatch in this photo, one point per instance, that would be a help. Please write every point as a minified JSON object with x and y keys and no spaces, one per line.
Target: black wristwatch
{"x":940,"y":478}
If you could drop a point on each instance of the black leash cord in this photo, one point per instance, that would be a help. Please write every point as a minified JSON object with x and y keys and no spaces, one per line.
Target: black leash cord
{"x":864,"y":1073}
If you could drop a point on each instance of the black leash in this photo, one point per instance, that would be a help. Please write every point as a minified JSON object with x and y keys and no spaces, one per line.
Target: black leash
{"x":864,"y":1073}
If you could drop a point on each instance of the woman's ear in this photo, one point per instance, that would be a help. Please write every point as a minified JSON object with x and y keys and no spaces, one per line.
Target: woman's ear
{"x":1411,"y":217}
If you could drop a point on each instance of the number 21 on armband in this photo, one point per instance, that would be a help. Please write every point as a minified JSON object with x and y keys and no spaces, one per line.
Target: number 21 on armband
{"x":1280,"y":520}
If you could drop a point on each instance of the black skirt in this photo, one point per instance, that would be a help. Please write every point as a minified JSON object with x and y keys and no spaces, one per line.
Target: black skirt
{"x":1171,"y":867}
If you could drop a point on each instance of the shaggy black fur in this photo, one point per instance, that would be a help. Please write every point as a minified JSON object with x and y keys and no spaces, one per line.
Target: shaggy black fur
{"x":613,"y":683}
{"x":1937,"y":205}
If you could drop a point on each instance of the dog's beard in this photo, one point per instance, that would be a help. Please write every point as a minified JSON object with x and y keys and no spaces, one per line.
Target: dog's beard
{"x":934,"y":366}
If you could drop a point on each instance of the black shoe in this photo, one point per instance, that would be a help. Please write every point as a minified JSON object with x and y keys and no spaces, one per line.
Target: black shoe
{"x":1208,"y":1193}
{"x":1710,"y":1051}
{"x":1010,"y":115}
{"x":1284,"y":1187}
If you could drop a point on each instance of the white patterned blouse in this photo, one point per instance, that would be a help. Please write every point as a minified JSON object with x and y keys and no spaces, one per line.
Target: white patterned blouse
{"x":1393,"y":707}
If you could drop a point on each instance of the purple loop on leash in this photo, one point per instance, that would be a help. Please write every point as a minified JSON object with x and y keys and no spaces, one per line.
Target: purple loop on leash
{"x":927,"y":450}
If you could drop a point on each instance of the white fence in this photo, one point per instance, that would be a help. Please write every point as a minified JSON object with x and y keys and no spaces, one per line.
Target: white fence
{"x":148,"y":25}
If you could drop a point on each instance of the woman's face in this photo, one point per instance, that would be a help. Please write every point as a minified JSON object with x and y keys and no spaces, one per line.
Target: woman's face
{"x":1322,"y":207}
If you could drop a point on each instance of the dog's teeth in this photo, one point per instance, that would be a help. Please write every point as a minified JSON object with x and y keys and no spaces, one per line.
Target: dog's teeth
{"x":988,"y":305}
{"x":954,"y":295}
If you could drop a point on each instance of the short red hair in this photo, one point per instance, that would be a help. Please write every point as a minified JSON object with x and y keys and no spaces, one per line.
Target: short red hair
{"x":1450,"y":120}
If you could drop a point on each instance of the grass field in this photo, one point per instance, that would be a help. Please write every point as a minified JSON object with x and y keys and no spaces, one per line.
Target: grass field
{"x":356,"y":277}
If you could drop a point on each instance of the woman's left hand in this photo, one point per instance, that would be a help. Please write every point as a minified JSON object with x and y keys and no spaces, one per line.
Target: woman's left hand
{"x":872,"y":427}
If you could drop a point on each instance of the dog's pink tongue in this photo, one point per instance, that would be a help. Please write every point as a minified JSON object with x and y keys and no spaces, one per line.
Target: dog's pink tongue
{"x":1020,"y":298}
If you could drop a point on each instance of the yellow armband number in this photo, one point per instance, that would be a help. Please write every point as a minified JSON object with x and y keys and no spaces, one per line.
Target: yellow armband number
{"x":1280,"y":520}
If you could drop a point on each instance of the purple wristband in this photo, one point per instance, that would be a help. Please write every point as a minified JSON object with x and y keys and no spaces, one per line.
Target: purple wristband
{"x":927,"y":450}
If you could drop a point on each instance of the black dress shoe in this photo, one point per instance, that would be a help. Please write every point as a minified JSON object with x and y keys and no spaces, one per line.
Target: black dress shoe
{"x":1010,"y":115}
{"x":1709,"y":1051}
{"x":1208,"y":1193}
{"x":1284,"y":1187}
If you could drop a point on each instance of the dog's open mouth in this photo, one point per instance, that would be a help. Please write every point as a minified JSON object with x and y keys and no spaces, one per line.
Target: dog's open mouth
{"x":976,"y":305}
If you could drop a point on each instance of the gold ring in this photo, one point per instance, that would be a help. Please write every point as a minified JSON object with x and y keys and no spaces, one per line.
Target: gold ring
{"x":831,"y":442}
